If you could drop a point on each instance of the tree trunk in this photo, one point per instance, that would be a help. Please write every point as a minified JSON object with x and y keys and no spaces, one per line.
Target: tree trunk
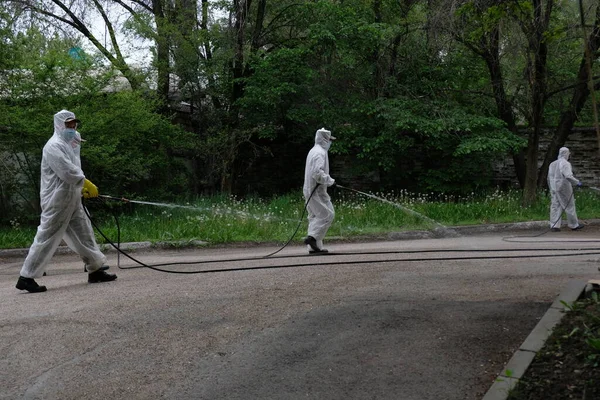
{"x":237,"y":69}
{"x":240,"y":12}
{"x":206,"y":45}
{"x":162,"y":54}
{"x":581,"y":92}
{"x":184,"y":20}
{"x":492,"y":59}
{"x":538,"y":72}
{"x":530,"y":188}
{"x":565,"y":125}
{"x":258,"y":25}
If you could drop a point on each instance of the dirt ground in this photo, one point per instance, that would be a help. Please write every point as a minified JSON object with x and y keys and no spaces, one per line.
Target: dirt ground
{"x":436,"y":322}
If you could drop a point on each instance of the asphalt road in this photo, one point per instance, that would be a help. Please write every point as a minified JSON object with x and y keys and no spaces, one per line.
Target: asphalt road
{"x":396,"y":326}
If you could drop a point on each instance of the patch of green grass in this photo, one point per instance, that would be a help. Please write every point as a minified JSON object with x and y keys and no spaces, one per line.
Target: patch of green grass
{"x":225,"y":219}
{"x":11,"y":238}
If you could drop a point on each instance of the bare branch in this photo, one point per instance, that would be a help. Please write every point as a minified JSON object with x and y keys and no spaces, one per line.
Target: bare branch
{"x":147,"y":7}
{"x":27,"y":5}
{"x":116,"y":59}
{"x":573,"y":86}
{"x":111,"y":30}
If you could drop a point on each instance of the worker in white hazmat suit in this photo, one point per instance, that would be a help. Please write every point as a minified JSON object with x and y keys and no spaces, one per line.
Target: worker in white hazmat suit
{"x":62,"y":186}
{"x":560,"y":181}
{"x":317,"y":179}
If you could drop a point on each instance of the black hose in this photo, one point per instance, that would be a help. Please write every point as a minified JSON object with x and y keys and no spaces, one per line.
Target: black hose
{"x":119,"y":251}
{"x":588,"y":251}
{"x":299,"y":223}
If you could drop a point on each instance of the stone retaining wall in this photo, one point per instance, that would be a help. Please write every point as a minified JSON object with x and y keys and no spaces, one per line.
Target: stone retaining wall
{"x":585,"y":158}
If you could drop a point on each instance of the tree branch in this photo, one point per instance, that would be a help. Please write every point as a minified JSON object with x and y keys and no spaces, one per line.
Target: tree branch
{"x":147,"y":7}
{"x":116,"y":60}
{"x":550,"y":94}
{"x":111,"y":30}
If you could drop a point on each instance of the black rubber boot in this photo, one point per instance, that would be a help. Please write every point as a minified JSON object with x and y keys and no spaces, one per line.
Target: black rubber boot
{"x":100,"y":276}
{"x":102,"y":268}
{"x":312,"y":242}
{"x":30,"y":285}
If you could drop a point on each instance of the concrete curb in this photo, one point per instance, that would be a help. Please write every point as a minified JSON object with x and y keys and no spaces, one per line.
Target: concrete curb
{"x":467,"y":230}
{"x":520,"y":361}
{"x":107,"y":248}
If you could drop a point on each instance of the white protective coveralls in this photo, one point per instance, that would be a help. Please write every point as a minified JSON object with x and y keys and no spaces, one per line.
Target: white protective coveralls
{"x":60,"y":200}
{"x":560,"y":180}
{"x":320,"y":209}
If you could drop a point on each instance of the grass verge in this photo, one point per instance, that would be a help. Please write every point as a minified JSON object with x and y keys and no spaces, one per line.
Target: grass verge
{"x":568,"y":366}
{"x":227,"y":219}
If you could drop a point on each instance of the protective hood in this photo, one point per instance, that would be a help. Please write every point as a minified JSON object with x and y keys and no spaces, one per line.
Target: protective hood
{"x":564,"y":153}
{"x":69,"y":135}
{"x":323,"y":138}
